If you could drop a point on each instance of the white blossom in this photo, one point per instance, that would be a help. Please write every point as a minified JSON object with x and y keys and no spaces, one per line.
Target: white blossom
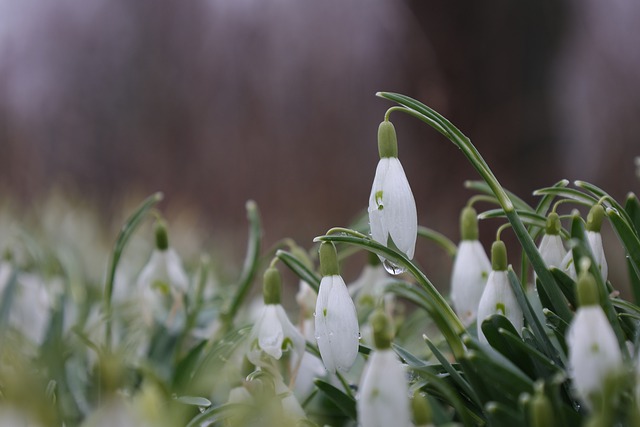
{"x":336,"y":325}
{"x":161,"y":284}
{"x":272,"y":334}
{"x":392,"y":208}
{"x":471,"y":269}
{"x":383,"y":397}
{"x":499,"y":298}
{"x":595,"y":242}
{"x":594,"y":353}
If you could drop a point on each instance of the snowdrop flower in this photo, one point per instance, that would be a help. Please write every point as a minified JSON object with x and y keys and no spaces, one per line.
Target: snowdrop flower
{"x":336,"y":318}
{"x":471,"y":269}
{"x":551,"y":247}
{"x":594,"y":354}
{"x":383,"y":397}
{"x":594,"y":223}
{"x":163,"y":280}
{"x":498,"y":297}
{"x":392,"y":209}
{"x":273,"y":332}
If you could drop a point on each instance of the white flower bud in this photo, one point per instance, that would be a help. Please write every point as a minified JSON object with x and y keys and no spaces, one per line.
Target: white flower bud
{"x":594,"y":353}
{"x":383,"y":397}
{"x":498,"y":298}
{"x":392,"y":208}
{"x":336,"y":324}
{"x":471,"y":269}
{"x":272,"y":334}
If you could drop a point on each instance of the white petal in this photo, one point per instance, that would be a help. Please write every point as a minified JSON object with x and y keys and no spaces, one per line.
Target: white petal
{"x":379,"y":232}
{"x":291,"y":333}
{"x":383,"y":393}
{"x":471,"y":269}
{"x":270,"y":332}
{"x":498,"y":298}
{"x":595,"y":241}
{"x":336,"y":325}
{"x":399,"y":214}
{"x":593,"y":350}
{"x":552,"y":250}
{"x":175,"y":271}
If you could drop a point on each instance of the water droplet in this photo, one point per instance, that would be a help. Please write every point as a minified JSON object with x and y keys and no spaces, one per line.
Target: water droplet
{"x":359,"y":336}
{"x":202,"y":409}
{"x":314,"y":314}
{"x":392,"y":268}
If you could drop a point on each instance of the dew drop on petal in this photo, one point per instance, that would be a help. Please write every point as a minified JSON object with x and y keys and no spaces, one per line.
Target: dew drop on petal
{"x":392,"y":268}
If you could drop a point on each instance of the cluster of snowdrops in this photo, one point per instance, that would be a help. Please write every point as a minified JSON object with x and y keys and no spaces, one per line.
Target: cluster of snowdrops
{"x":551,"y":342}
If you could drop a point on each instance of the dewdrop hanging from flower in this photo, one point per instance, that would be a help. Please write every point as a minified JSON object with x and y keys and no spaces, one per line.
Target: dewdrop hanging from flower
{"x":392,"y":209}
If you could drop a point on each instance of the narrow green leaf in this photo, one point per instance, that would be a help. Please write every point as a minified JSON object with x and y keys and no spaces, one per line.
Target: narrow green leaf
{"x":493,"y":328}
{"x":7,"y":298}
{"x":566,"y":285}
{"x":601,"y":194}
{"x":299,"y":268}
{"x":440,"y":239}
{"x":632,"y":207}
{"x":544,"y":366}
{"x":250,"y":263}
{"x":436,"y":385}
{"x":455,"y":375}
{"x":530,"y":316}
{"x":123,"y":237}
{"x":500,"y":414}
{"x":528,"y":218}
{"x":482,"y":187}
{"x":567,"y":193}
{"x":194,"y":401}
{"x":216,"y":414}
{"x":343,"y":402}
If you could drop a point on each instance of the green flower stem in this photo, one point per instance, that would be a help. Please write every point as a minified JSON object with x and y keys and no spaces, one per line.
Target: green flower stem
{"x":442,"y":314}
{"x":250,"y":263}
{"x":123,"y":237}
{"x":429,"y":116}
{"x":440,"y":239}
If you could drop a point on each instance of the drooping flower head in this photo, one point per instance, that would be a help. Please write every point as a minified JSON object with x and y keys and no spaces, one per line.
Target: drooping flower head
{"x":471,"y":269}
{"x":336,"y":320}
{"x":551,"y":247}
{"x":498,"y":297}
{"x":163,"y":281}
{"x":392,"y":209}
{"x":594,"y":353}
{"x":273,"y":333}
{"x":383,"y":396}
{"x":593,"y":226}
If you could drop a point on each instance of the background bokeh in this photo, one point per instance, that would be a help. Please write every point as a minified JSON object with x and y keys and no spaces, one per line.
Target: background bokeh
{"x":217,"y":102}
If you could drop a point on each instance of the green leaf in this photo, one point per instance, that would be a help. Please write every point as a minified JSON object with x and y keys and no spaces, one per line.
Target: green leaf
{"x":194,"y":401}
{"x":123,"y":237}
{"x":215,"y":414}
{"x":531,"y":317}
{"x":629,"y":239}
{"x":500,"y":414}
{"x":493,"y":328}
{"x":299,"y":268}
{"x":7,"y":298}
{"x":499,"y":374}
{"x":440,"y":239}
{"x":250,"y":262}
{"x":343,"y":402}
{"x":463,"y":384}
{"x":482,"y":187}
{"x":567,"y":193}
{"x":566,"y":285}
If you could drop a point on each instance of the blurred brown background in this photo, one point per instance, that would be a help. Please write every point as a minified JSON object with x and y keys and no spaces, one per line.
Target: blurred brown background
{"x":217,"y":102}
